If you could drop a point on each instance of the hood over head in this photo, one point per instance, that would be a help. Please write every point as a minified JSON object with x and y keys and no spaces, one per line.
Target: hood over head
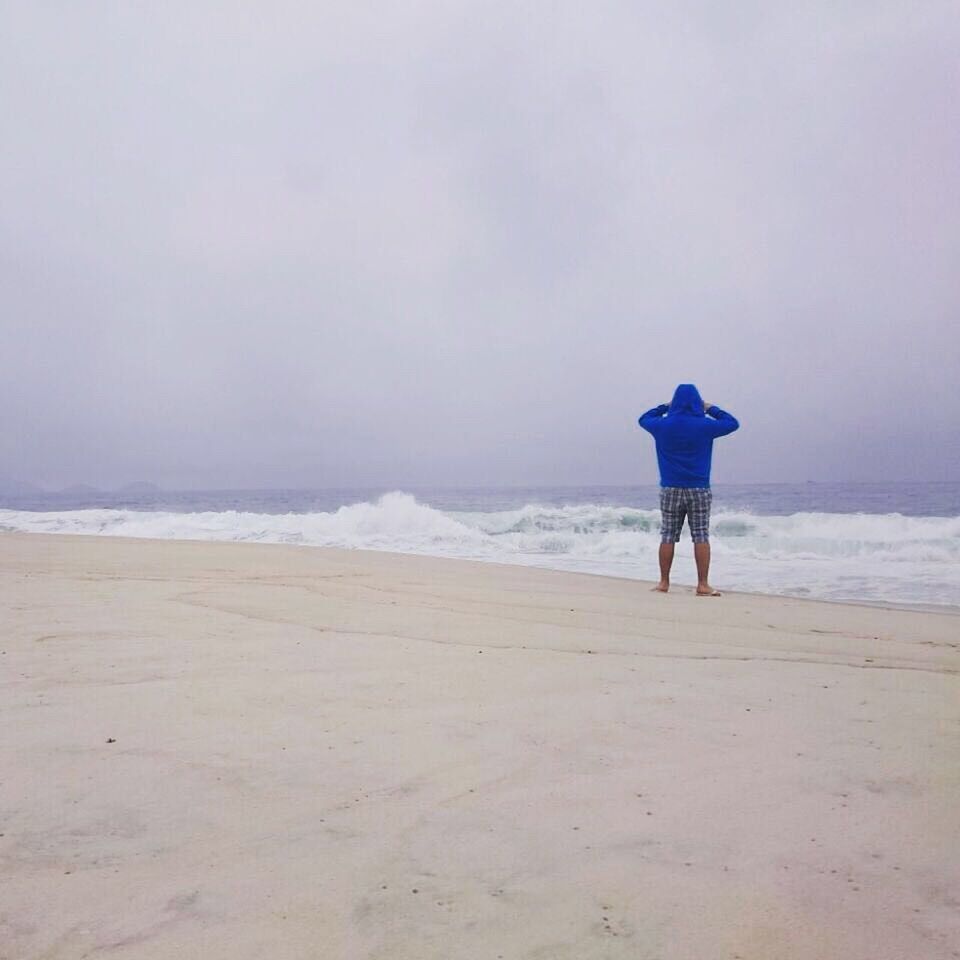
{"x":686,"y":399}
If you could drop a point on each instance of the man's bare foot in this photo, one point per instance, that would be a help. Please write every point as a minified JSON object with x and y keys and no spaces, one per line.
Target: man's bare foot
{"x":708,"y":591}
{"x":661,"y":587}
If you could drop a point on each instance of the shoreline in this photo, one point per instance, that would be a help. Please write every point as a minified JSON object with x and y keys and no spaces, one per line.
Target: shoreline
{"x":944,"y":609}
{"x":225,"y":752}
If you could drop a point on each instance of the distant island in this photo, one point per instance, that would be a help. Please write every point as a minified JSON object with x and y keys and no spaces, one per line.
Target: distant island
{"x":11,"y":486}
{"x":140,"y":486}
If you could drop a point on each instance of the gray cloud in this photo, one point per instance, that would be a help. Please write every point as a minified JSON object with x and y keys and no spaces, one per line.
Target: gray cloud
{"x":469,"y":243}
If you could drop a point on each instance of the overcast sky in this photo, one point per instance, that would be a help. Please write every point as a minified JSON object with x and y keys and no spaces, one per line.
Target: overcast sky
{"x":318,"y":244}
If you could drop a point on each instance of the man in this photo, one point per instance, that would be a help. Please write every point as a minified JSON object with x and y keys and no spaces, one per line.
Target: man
{"x":684,"y":431}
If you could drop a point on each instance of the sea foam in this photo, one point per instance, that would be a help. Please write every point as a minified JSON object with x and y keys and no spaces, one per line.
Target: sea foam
{"x":876,"y":557}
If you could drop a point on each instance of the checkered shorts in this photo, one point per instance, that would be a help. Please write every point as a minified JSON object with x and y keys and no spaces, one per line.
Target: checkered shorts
{"x":690,"y":502}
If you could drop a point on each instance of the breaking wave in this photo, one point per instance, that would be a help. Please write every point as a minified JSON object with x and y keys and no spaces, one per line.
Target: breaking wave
{"x":878,"y":557}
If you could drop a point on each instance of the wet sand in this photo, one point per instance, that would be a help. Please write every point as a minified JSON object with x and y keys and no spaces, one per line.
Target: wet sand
{"x":250,"y":751}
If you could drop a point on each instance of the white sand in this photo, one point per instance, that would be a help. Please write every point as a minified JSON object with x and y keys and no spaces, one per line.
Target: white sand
{"x":323,"y":754}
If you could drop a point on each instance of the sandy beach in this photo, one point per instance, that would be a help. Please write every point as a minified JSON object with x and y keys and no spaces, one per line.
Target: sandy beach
{"x":217,"y":750}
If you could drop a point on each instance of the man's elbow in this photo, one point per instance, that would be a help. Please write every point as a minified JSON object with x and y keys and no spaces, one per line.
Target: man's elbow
{"x":725,"y":425}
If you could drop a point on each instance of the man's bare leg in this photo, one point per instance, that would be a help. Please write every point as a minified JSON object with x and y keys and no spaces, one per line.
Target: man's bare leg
{"x":701,"y":553}
{"x":666,"y":562}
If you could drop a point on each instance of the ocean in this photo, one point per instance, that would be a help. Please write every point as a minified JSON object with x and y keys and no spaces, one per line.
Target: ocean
{"x":888,"y":543}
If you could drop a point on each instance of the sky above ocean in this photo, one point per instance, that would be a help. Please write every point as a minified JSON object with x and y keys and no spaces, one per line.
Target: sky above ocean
{"x":315,"y":245}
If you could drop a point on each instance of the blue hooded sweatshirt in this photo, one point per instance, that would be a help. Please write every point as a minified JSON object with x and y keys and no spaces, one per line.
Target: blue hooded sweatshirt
{"x":685,"y":435}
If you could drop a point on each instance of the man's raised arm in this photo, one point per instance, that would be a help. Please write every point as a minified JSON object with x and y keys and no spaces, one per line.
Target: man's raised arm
{"x":653,"y":417}
{"x":724,"y":422}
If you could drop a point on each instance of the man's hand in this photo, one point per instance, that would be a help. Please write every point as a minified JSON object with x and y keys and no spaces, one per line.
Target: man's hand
{"x":706,"y":406}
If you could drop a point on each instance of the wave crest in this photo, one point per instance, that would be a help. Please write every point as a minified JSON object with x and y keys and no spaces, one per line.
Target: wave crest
{"x":837,"y":556}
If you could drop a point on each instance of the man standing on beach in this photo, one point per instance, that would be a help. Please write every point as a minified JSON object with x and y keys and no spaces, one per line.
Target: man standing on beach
{"x":684,"y":431}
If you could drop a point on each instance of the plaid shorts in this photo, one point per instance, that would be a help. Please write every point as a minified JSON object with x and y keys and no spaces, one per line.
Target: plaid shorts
{"x":690,"y":502}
